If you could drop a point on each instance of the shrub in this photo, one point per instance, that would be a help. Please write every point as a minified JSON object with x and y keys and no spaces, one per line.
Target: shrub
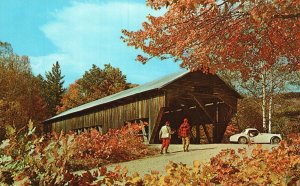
{"x":278,"y":166}
{"x":115,"y":146}
{"x":27,"y":159}
{"x":30,"y":160}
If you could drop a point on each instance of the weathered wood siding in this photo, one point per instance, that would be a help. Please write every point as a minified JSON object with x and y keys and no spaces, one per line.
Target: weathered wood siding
{"x":115,"y":116}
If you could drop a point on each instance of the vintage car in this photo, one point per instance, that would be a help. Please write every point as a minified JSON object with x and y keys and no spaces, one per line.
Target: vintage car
{"x":254,"y":136}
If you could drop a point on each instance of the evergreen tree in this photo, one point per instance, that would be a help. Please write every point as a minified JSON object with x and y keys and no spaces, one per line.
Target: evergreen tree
{"x":54,"y":88}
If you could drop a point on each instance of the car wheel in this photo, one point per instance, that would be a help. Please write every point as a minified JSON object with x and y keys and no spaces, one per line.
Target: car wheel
{"x":242,"y":140}
{"x":275,"y":140}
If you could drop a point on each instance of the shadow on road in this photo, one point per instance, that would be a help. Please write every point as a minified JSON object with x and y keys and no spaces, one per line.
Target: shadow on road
{"x":191,"y":150}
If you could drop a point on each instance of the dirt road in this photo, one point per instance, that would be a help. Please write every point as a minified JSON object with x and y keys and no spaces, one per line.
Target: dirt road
{"x":197,"y":152}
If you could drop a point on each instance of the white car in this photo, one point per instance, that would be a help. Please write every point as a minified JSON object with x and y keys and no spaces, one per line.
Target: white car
{"x":254,"y":136}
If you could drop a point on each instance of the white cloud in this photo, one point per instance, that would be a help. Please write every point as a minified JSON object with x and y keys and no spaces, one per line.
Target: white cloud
{"x":89,"y":33}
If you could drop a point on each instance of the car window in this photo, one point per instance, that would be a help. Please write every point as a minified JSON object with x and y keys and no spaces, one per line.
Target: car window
{"x":253,"y":133}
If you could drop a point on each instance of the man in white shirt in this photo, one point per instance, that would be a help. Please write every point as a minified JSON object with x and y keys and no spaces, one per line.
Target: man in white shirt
{"x":165,"y":136}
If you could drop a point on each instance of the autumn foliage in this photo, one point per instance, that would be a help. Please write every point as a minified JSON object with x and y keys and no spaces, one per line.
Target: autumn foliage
{"x":20,"y":94}
{"x":70,"y":99}
{"x":248,"y":36}
{"x":94,"y":84}
{"x":252,"y":165}
{"x":27,"y":159}
{"x":30,"y":160}
{"x":114,"y":146}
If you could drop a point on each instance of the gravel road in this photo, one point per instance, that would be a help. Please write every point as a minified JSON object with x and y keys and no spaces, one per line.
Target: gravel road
{"x":201,"y":152}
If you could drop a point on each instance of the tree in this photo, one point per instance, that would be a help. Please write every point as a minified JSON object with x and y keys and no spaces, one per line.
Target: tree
{"x":297,"y":79}
{"x":42,"y":85}
{"x":214,"y":35}
{"x":250,"y":37}
{"x":20,"y":98}
{"x":97,"y":83}
{"x":71,"y":98}
{"x":94,"y":84}
{"x":54,"y":88}
{"x":5,"y":49}
{"x":273,"y":81}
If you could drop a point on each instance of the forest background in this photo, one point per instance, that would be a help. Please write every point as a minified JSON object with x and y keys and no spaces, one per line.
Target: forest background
{"x":252,"y":45}
{"x":24,"y":96}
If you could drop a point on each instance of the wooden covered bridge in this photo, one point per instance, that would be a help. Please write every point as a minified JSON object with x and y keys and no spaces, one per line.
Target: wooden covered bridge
{"x":202,"y":98}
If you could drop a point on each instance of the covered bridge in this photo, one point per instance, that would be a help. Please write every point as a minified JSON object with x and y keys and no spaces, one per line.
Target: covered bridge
{"x":202,"y":98}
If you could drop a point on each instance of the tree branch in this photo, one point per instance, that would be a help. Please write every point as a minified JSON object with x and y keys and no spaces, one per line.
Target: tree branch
{"x":287,"y":16}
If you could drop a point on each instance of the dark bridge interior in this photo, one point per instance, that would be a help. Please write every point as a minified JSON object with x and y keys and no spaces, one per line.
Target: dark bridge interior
{"x":208,"y":104}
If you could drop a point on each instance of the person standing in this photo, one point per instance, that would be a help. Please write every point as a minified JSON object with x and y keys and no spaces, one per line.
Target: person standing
{"x":165,"y":135}
{"x":185,"y":133}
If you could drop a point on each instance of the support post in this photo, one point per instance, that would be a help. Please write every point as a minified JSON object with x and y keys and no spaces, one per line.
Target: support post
{"x":156,"y":124}
{"x":219,"y":132}
{"x":197,"y":133}
{"x":145,"y":137}
{"x":206,"y":133}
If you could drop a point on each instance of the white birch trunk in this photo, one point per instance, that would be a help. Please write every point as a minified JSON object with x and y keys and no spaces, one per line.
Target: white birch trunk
{"x":271,"y":104}
{"x":264,"y":101}
{"x":270,"y":114}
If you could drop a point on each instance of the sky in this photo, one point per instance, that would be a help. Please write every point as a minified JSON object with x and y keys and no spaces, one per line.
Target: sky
{"x":78,"y":34}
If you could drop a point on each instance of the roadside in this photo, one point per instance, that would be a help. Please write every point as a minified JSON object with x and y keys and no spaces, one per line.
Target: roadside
{"x":201,"y":152}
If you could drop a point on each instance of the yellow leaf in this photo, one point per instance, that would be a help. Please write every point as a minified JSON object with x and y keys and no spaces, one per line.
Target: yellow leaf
{"x":196,"y":164}
{"x":10,"y":130}
{"x":136,"y":179}
{"x":30,"y":125}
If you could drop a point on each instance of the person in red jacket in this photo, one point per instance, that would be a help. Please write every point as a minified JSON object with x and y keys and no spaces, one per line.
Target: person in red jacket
{"x":185,"y":133}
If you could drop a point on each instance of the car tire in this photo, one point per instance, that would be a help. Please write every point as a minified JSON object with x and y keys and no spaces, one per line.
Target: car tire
{"x":275,"y":140}
{"x":242,"y":140}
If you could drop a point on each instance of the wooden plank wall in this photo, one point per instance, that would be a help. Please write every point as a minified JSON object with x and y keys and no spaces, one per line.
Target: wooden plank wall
{"x":114,"y":117}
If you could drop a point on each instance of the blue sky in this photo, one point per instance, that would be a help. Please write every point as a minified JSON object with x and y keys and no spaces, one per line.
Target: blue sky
{"x":79,"y":34}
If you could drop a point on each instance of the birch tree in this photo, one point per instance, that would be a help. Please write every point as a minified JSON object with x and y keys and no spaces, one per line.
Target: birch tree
{"x":248,"y":36}
{"x":273,"y":81}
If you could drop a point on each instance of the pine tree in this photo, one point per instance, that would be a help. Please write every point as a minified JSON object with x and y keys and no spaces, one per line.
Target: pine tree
{"x":54,"y":88}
